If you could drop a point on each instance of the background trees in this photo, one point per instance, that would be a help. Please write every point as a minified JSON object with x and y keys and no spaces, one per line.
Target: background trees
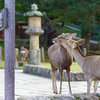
{"x":1,"y":4}
{"x":80,"y":12}
{"x":83,"y":13}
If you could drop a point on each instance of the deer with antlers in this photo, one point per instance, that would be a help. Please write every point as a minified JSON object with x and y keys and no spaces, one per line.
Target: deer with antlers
{"x":61,"y":59}
{"x":89,"y":64}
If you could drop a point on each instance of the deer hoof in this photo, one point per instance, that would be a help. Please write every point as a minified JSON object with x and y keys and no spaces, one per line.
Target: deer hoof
{"x":55,"y":92}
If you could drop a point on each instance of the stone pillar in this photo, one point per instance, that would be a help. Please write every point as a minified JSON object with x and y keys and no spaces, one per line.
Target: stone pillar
{"x":34,"y":42}
{"x":34,"y":30}
{"x":16,"y":57}
{"x":42,"y":54}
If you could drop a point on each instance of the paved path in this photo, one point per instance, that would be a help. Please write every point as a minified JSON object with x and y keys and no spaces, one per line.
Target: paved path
{"x":31,"y":85}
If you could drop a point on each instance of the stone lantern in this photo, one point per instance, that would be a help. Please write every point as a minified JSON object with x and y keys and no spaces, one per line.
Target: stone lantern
{"x":34,"y":30}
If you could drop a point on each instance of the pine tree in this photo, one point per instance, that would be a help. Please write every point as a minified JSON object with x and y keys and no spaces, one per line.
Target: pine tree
{"x":81,"y":12}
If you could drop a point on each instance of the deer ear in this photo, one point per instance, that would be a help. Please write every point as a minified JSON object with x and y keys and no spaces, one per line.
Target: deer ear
{"x":73,"y":35}
{"x":74,"y":45}
{"x":81,"y":42}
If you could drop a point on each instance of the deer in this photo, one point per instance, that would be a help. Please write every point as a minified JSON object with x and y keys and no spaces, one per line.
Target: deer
{"x":89,"y":64}
{"x":24,"y":54}
{"x":61,"y":59}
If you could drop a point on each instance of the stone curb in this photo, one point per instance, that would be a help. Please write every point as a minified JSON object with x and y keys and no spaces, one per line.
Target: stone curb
{"x":52,"y":97}
{"x":81,"y":96}
{"x":46,"y":72}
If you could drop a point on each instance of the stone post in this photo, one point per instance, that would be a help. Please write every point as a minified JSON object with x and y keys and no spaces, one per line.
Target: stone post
{"x":99,"y":45}
{"x":42,"y":54}
{"x":34,"y":30}
{"x":16,"y":57}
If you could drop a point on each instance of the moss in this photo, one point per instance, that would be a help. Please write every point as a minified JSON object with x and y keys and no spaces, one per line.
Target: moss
{"x":76,"y":98}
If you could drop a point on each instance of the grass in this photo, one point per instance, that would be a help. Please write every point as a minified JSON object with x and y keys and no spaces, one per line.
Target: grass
{"x":1,"y":64}
{"x":74,"y":67}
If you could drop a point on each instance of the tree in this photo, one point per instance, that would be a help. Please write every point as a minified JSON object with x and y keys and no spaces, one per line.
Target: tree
{"x":23,"y":6}
{"x":1,"y":4}
{"x":60,"y":12}
{"x":84,"y":13}
{"x":58,"y":15}
{"x":81,"y":12}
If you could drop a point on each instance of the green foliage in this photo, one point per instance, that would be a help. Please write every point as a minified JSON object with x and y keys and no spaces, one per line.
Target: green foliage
{"x":76,"y":98}
{"x":75,"y":11}
{"x":2,"y":42}
{"x":22,"y":42}
{"x":61,"y":11}
{"x":23,"y":6}
{"x":63,"y":30}
{"x":1,"y":4}
{"x":58,"y":11}
{"x":82,"y":12}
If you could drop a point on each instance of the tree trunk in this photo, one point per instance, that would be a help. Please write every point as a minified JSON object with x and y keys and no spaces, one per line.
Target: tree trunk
{"x":86,"y":36}
{"x":10,"y":51}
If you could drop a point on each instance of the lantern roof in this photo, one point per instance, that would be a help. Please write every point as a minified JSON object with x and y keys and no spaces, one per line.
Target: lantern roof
{"x":34,"y":11}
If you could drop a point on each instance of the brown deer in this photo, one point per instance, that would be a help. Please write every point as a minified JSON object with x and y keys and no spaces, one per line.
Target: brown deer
{"x":89,"y":64}
{"x":24,"y":54}
{"x":60,"y":59}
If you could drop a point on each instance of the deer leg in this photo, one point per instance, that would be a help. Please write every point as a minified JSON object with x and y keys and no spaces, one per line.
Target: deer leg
{"x":52,"y":76}
{"x":68,"y":78}
{"x":95,"y":85}
{"x":89,"y":81}
{"x":61,"y":78}
{"x":55,"y":84}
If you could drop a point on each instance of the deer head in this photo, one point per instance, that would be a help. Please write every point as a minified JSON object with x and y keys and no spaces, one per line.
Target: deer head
{"x":64,"y":36}
{"x":71,"y":44}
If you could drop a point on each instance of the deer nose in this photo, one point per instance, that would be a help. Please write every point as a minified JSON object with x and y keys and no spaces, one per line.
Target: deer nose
{"x":52,"y":40}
